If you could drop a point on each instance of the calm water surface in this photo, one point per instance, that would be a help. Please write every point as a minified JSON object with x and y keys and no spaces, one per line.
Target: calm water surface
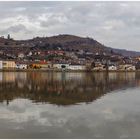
{"x":69,"y":105}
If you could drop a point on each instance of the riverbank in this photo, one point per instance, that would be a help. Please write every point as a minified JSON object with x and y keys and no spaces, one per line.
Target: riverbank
{"x":59,"y":70}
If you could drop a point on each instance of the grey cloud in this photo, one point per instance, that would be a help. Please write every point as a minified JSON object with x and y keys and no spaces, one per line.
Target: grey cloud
{"x":15,"y":29}
{"x":115,"y":24}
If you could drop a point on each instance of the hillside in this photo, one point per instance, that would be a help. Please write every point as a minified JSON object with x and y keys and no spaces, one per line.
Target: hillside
{"x":65,"y":42}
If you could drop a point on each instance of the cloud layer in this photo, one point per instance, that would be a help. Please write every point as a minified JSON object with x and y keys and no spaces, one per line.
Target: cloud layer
{"x":115,"y":24}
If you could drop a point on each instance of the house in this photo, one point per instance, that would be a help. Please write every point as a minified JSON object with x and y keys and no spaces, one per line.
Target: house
{"x":41,"y":65}
{"x":137,"y":58}
{"x":71,"y":55}
{"x":114,"y":60}
{"x":112,"y":67}
{"x":81,"y":61}
{"x":8,"y":64}
{"x":77,"y":67}
{"x":21,"y":66}
{"x":80,"y":52}
{"x":99,"y":66}
{"x":127,"y":60}
{"x":54,"y":52}
{"x":35,"y":66}
{"x":89,"y":53}
{"x":127,"y":67}
{"x":45,"y":65}
{"x":21,"y":55}
{"x":30,"y":54}
{"x":61,"y":66}
{"x":137,"y":65}
{"x":131,"y":68}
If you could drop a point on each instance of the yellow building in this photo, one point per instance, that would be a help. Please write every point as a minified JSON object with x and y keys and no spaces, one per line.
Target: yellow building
{"x":35,"y":66}
{"x":41,"y":65}
{"x":8,"y":64}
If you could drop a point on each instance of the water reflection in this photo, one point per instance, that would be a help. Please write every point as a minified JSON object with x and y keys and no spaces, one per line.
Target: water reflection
{"x":62,"y":88}
{"x":44,"y":105}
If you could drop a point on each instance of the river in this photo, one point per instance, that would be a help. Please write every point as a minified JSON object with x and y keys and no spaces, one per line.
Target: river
{"x":69,"y":105}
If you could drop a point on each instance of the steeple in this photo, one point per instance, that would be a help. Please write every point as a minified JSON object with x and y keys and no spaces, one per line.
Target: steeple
{"x":8,"y":37}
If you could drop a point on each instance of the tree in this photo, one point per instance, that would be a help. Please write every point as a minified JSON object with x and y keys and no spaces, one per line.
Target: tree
{"x":63,"y":66}
{"x":92,"y":65}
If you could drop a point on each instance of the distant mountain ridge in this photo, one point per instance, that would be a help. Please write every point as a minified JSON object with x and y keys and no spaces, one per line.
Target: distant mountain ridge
{"x":65,"y":41}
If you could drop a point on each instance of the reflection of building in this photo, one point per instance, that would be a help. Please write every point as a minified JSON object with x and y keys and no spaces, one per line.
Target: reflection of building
{"x":21,"y":76}
{"x":0,"y":64}
{"x":76,"y":76}
{"x":0,"y":76}
{"x":8,"y":77}
{"x":62,"y":88}
{"x":112,"y":76}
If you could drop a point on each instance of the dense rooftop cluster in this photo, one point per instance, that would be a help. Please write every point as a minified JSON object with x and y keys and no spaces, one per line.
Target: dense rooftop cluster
{"x":66,"y":50}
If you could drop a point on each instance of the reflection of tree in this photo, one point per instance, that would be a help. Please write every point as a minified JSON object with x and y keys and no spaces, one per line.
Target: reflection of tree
{"x":62,"y":88}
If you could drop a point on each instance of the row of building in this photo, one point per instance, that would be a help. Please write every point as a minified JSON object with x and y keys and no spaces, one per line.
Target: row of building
{"x":46,"y":65}
{"x":113,"y":67}
{"x":39,"y":65}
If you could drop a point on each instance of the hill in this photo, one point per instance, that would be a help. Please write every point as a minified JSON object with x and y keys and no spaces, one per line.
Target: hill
{"x":65,"y":42}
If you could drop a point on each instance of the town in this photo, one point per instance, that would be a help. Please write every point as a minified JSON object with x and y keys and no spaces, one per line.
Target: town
{"x":29,"y":55}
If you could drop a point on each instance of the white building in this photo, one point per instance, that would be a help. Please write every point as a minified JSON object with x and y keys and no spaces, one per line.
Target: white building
{"x":128,"y":67}
{"x":21,"y":66}
{"x":131,"y":67}
{"x":71,"y":54}
{"x":30,"y":54}
{"x":77,"y":67}
{"x":112,"y":67}
{"x":20,"y":55}
{"x":60,"y":66}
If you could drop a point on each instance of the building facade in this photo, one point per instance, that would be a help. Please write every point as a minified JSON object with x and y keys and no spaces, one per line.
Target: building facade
{"x":8,"y":64}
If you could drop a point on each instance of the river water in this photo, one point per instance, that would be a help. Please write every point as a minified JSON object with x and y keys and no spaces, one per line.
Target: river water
{"x":69,"y":105}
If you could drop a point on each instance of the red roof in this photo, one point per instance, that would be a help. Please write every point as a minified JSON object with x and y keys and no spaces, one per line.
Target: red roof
{"x":43,"y":62}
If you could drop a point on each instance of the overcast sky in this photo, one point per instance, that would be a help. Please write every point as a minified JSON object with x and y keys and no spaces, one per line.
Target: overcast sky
{"x":114,"y":24}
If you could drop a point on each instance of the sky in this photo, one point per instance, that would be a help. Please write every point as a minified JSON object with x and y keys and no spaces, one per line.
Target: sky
{"x":114,"y":24}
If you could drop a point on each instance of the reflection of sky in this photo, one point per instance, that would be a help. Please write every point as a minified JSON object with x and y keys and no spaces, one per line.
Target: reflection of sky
{"x":115,"y":115}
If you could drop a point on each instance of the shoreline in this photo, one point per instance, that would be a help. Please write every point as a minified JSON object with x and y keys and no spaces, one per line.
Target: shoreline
{"x":58,"y":70}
